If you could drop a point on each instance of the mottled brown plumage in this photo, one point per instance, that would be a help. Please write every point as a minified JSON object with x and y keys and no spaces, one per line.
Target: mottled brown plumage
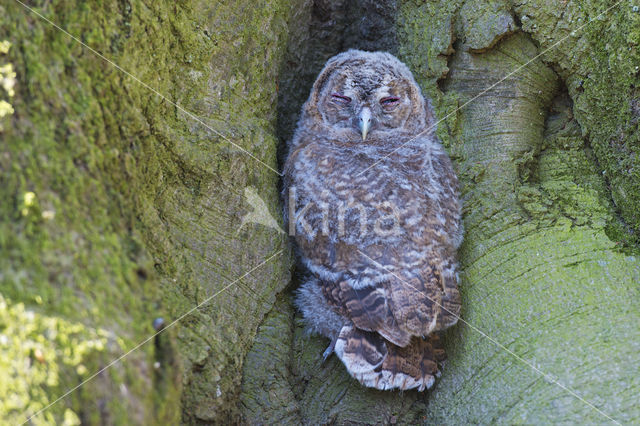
{"x":373,"y":203}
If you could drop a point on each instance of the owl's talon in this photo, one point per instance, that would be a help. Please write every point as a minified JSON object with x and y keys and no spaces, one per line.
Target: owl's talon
{"x":327,"y":352}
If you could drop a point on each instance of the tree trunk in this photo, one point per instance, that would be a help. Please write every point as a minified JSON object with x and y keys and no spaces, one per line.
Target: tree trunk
{"x":125,"y":193}
{"x":138,"y":204}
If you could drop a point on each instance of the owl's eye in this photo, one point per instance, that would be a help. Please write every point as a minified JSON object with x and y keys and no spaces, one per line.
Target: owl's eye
{"x":389,"y":101}
{"x":340,"y":98}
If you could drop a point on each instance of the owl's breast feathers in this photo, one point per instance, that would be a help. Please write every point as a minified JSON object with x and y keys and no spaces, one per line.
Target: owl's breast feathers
{"x":404,"y":198}
{"x":393,"y":289}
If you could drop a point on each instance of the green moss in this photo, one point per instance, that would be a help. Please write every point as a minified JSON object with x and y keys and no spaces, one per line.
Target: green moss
{"x":7,"y":82}
{"x":425,"y":39}
{"x":267,"y":394}
{"x":564,"y":183}
{"x":556,"y":305}
{"x":66,"y":246}
{"x":136,"y":203}
{"x":482,"y":24}
{"x":600,"y":64}
{"x":38,"y":356}
{"x":600,"y":71}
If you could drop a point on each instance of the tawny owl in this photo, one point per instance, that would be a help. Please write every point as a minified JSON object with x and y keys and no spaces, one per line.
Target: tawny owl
{"x":372,"y":200}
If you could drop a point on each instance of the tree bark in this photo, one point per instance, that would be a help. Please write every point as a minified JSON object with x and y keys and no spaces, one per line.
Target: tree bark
{"x":144,"y":205}
{"x":124,"y":198}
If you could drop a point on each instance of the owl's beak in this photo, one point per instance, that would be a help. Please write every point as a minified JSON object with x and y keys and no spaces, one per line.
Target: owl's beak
{"x":364,"y":122}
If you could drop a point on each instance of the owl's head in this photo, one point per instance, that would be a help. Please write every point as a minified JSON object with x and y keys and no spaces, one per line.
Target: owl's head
{"x":364,"y":96}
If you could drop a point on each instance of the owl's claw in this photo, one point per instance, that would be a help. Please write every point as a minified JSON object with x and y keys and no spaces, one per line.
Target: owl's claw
{"x":327,"y":352}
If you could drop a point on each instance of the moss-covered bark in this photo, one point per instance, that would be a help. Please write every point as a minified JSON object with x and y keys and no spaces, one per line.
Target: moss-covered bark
{"x":540,"y":274}
{"x":598,"y":59}
{"x":137,"y":205}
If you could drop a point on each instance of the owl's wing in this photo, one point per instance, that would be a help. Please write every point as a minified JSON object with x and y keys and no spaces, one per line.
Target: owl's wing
{"x":427,"y":303}
{"x":368,"y":308}
{"x":429,"y":300}
{"x":399,"y":308}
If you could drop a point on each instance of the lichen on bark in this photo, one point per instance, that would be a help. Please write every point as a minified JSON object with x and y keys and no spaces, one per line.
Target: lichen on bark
{"x":594,"y":47}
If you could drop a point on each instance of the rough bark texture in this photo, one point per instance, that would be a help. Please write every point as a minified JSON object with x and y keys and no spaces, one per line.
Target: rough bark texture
{"x":118,"y":208}
{"x":143,"y":206}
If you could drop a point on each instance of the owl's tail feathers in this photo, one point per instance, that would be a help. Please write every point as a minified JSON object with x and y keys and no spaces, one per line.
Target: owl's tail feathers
{"x":380,"y":364}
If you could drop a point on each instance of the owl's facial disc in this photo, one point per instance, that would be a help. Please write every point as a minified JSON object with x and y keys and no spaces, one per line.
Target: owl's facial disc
{"x":366,"y":103}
